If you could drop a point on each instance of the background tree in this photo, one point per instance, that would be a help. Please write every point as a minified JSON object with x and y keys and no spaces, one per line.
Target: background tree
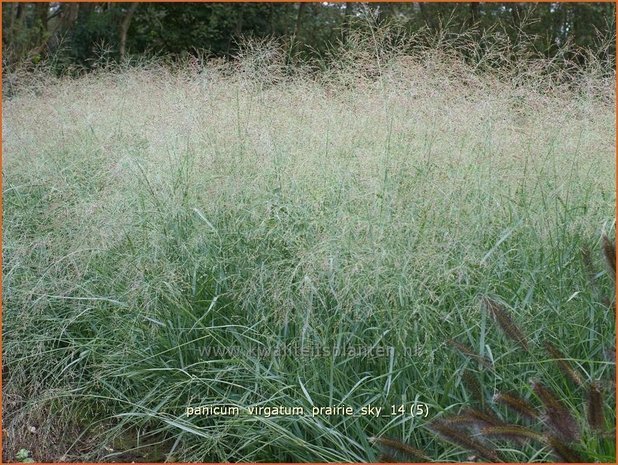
{"x":76,"y":34}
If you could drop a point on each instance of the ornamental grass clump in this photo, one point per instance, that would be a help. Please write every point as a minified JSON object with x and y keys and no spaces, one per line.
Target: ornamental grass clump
{"x":537,"y":418}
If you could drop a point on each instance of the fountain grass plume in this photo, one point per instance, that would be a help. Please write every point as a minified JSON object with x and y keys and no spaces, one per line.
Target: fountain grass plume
{"x":517,"y":433}
{"x":392,"y":450}
{"x":596,"y":416}
{"x":469,"y":352}
{"x":517,"y":404}
{"x":556,"y":416}
{"x":505,"y":321}
{"x":561,"y":361}
{"x":460,"y":438}
{"x":564,"y":452}
{"x":609,"y":252}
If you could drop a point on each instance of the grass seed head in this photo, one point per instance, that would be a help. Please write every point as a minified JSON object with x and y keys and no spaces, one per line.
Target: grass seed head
{"x":519,"y":405}
{"x":393,"y":449}
{"x":516,"y":433}
{"x":564,"y":452}
{"x":562,"y":363}
{"x":473,"y":386}
{"x":505,"y":322}
{"x":556,"y":416}
{"x":468,"y":352}
{"x":609,"y":252}
{"x":596,"y":417}
{"x":460,"y":438}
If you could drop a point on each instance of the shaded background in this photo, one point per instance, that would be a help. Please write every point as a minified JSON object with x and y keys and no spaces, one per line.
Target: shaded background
{"x":77,"y":35}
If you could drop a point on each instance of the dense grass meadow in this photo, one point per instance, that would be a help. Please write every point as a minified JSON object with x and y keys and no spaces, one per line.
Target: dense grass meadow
{"x":153,"y":214}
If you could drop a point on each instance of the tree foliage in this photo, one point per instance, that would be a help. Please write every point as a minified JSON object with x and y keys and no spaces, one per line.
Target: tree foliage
{"x":78,"y":34}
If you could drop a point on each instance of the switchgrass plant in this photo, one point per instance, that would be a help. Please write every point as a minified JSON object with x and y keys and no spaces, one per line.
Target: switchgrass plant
{"x":169,"y":232}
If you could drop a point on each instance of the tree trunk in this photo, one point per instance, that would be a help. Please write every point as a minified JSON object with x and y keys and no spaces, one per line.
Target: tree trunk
{"x":68,"y":16}
{"x":423,"y":9}
{"x":347,"y":23}
{"x":85,"y":11}
{"x":474,"y":12}
{"x":10,"y":32}
{"x":124,"y":28}
{"x":237,"y":30}
{"x":301,"y":7}
{"x":16,"y":14}
{"x":42,"y":10}
{"x":271,"y":19}
{"x":19,"y":12}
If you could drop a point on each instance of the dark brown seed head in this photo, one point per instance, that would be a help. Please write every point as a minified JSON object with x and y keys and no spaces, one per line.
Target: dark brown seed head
{"x":485,"y":416}
{"x":588,"y":265}
{"x":609,"y":252}
{"x":460,"y":438}
{"x":473,"y":386}
{"x":557,"y":417}
{"x":505,"y":322}
{"x":397,"y":449}
{"x":519,"y":434}
{"x":561,"y":361}
{"x":472,"y":418}
{"x":468,"y":352}
{"x":516,"y":403}
{"x":596,"y":417}
{"x":386,"y":458}
{"x":564,"y":452}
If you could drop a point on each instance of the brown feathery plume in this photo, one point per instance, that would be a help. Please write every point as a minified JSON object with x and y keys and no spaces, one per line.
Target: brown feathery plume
{"x":516,"y":403}
{"x":458,"y":421}
{"x":607,"y":385}
{"x":473,"y":418}
{"x":506,"y":323}
{"x":564,"y":452}
{"x":557,"y":416}
{"x":385,"y":458}
{"x":459,"y":438}
{"x":393,"y":448}
{"x":596,"y":418}
{"x":519,"y":434}
{"x":468,"y":352}
{"x":609,"y":252}
{"x":588,"y":265}
{"x":564,"y":366}
{"x":472,"y":385}
{"x":485,"y":416}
